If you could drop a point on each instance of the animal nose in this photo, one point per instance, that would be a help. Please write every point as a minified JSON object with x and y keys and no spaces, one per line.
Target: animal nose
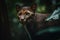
{"x":22,"y":20}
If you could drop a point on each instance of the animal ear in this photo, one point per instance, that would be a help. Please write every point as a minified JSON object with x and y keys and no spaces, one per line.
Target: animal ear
{"x":34,"y":7}
{"x":18,"y":6}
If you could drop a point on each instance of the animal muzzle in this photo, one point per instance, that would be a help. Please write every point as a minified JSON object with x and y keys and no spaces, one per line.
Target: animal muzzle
{"x":22,"y":21}
{"x":21,"y":18}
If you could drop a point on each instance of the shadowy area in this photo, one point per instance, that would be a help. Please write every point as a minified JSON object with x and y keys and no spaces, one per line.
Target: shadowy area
{"x":12,"y":29}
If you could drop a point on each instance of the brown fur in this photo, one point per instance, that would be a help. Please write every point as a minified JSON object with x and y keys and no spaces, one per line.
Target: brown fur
{"x":37,"y":19}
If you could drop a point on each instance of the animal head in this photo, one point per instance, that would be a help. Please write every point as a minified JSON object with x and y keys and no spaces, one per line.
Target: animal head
{"x":25,"y":12}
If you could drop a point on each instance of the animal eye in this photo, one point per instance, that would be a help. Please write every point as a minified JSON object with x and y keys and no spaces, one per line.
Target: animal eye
{"x":27,"y":13}
{"x":20,"y":13}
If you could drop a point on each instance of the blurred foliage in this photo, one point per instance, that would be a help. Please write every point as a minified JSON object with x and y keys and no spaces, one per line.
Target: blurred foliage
{"x":41,"y":9}
{"x":50,"y":29}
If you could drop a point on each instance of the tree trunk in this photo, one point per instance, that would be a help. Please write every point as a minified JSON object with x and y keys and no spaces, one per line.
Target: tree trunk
{"x":5,"y":35}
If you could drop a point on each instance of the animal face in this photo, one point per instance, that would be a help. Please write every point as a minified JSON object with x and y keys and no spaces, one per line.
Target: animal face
{"x":24,"y":13}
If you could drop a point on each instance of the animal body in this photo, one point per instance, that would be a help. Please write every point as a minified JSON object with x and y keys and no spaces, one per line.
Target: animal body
{"x":26,"y":15}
